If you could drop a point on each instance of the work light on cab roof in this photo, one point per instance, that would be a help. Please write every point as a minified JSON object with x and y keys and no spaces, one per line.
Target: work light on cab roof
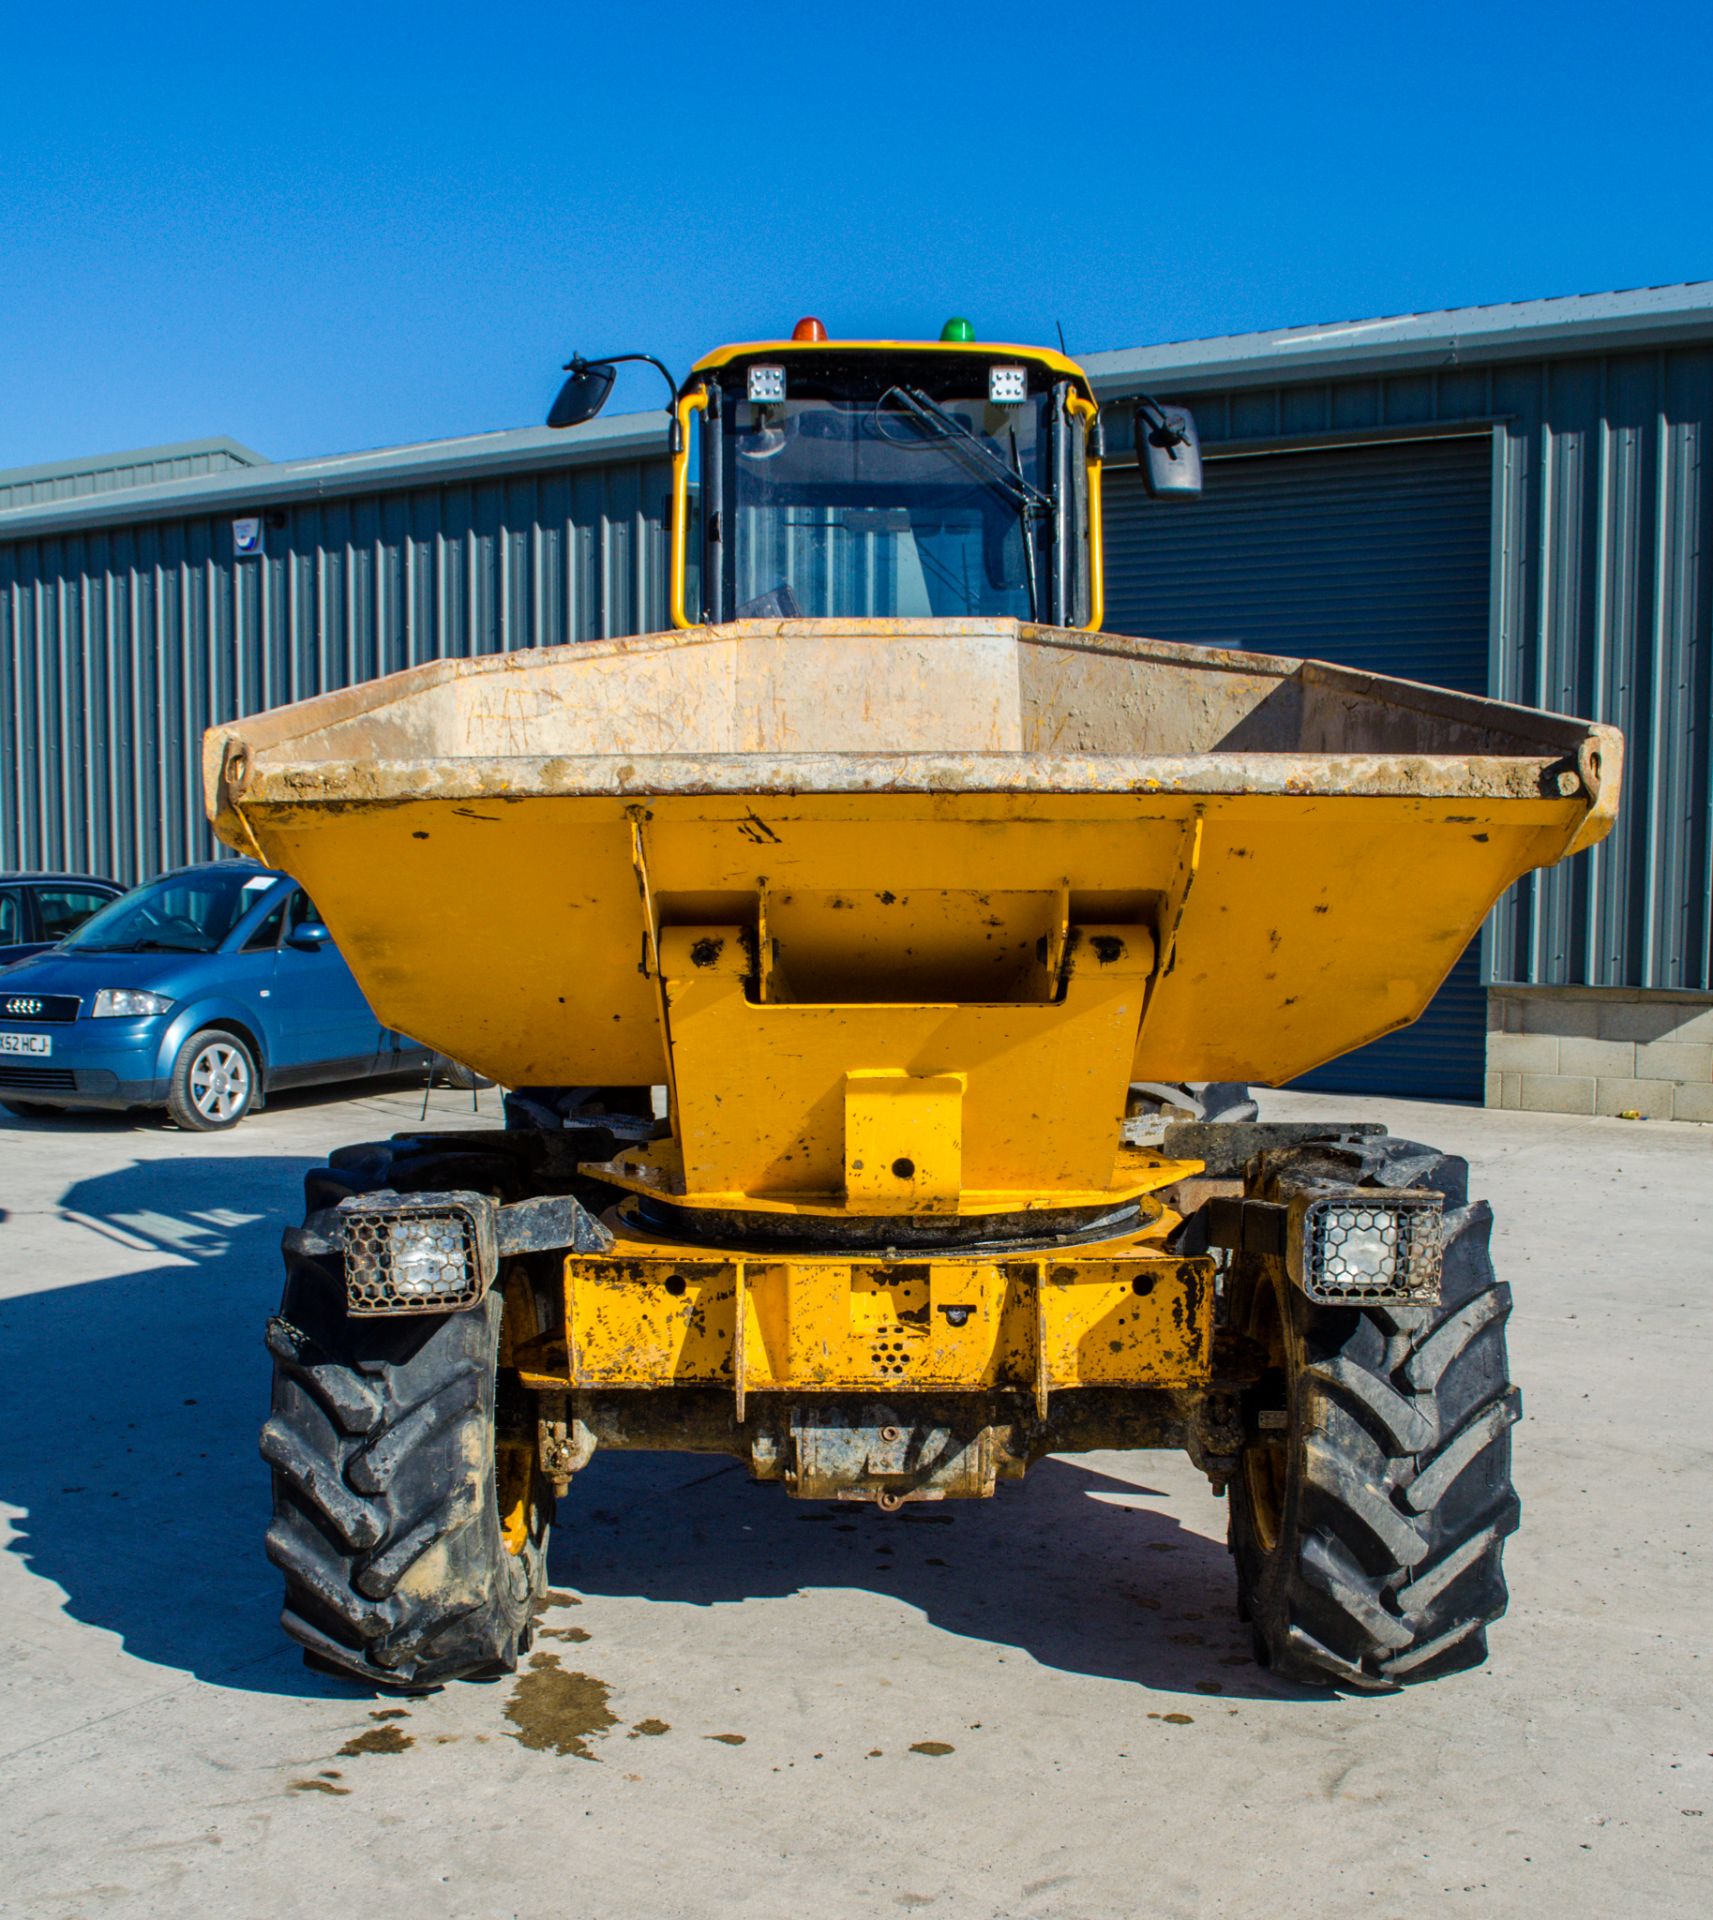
{"x":821,"y":478}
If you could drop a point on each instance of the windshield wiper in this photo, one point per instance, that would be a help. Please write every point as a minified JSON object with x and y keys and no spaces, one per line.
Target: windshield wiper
{"x":986,"y":464}
{"x":976,"y":452}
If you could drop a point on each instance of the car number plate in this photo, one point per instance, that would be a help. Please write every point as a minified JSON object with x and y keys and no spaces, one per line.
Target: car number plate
{"x":37,"y":1044}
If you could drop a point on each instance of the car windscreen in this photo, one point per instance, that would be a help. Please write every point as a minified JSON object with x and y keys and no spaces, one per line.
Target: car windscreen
{"x":183,"y":913}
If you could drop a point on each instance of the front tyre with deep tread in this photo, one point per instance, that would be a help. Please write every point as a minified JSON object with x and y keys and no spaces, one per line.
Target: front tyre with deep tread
{"x":1373,"y":1498}
{"x":409,"y":1519}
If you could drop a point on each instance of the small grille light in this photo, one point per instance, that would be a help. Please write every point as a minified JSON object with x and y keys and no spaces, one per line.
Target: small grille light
{"x":424,"y":1253}
{"x":1357,"y":1251}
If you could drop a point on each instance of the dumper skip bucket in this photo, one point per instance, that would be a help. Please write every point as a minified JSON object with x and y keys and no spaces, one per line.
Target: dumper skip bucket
{"x":931,"y":850}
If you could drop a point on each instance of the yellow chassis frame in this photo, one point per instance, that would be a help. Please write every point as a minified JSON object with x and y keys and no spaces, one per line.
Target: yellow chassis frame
{"x":653,"y":1314}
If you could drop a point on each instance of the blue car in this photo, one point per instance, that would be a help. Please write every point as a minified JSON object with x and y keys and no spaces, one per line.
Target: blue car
{"x":38,"y":910}
{"x":198,"y":992}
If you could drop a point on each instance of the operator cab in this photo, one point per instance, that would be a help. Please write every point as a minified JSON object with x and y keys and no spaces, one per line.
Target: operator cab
{"x":873,"y":480}
{"x":879,"y":479}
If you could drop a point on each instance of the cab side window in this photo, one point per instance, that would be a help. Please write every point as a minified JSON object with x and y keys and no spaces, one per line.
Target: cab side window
{"x":11,"y":919}
{"x":64,"y":909}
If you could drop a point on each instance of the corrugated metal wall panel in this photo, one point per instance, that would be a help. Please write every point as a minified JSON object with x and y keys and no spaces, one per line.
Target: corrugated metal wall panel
{"x":119,"y":647}
{"x":1606,"y":537}
{"x":1601,"y":604}
{"x":1374,"y":556}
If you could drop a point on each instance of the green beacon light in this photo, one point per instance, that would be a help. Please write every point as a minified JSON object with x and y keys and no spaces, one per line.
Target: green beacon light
{"x":957,"y":329}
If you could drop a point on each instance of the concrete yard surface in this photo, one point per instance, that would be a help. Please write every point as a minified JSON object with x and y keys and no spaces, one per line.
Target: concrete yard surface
{"x":1037,"y":1707}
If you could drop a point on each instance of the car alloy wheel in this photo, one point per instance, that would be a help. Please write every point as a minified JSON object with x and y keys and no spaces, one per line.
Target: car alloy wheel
{"x":219,"y":1082}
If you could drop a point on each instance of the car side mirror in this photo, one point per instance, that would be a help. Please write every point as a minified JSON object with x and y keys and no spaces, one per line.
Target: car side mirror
{"x":1168,"y":450}
{"x":584,"y":394}
{"x":311,"y":937}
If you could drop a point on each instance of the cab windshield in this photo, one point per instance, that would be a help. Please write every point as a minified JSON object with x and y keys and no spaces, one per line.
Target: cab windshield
{"x":869,"y":493}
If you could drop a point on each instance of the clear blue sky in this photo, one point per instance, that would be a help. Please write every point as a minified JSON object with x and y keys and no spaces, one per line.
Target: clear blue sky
{"x":319,"y":228}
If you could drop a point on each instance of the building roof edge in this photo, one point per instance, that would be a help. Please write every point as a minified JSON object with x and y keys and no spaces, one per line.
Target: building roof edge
{"x":1595,"y":322}
{"x":385,"y":469}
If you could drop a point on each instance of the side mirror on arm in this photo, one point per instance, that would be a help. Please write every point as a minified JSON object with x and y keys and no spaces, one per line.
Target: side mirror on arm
{"x":1168,"y":450}
{"x":311,"y":937}
{"x":584,"y":394}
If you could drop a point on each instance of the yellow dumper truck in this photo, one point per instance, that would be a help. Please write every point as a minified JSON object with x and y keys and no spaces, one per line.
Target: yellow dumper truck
{"x":824,"y":944}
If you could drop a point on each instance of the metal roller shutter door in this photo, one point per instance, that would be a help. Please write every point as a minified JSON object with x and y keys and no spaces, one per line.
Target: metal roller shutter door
{"x":1372,"y":556}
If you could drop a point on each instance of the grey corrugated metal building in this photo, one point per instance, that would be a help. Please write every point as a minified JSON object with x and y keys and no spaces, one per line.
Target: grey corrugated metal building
{"x":108,"y":472}
{"x":1511,"y":499}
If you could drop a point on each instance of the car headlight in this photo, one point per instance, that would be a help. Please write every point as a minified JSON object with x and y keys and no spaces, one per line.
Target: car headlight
{"x":128,"y":1003}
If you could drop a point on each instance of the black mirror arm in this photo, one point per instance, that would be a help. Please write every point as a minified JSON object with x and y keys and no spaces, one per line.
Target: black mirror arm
{"x":1161,"y":432}
{"x":578,"y":362}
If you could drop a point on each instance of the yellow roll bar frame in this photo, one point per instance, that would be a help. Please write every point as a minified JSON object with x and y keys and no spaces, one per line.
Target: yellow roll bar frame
{"x":696,"y":401}
{"x":1089,"y":409}
{"x":688,"y":404}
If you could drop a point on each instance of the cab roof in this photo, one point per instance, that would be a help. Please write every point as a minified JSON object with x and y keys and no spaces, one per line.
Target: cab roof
{"x":985,"y":349}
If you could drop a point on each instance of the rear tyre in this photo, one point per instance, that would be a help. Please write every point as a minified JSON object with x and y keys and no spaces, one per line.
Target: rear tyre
{"x":214,"y":1082}
{"x":1373,"y":1497}
{"x":410,"y":1517}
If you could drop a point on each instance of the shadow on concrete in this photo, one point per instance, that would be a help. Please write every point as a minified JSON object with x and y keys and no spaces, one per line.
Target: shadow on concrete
{"x":82,"y":1120}
{"x":1081,"y":1570}
{"x":129,"y":1410}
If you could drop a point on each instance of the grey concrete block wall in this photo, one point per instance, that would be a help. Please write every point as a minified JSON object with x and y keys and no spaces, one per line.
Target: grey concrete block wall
{"x":1611,"y":1050}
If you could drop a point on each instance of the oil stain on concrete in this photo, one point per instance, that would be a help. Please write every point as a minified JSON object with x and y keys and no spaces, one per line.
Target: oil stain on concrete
{"x":377,"y":1740}
{"x":559,"y":1712}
